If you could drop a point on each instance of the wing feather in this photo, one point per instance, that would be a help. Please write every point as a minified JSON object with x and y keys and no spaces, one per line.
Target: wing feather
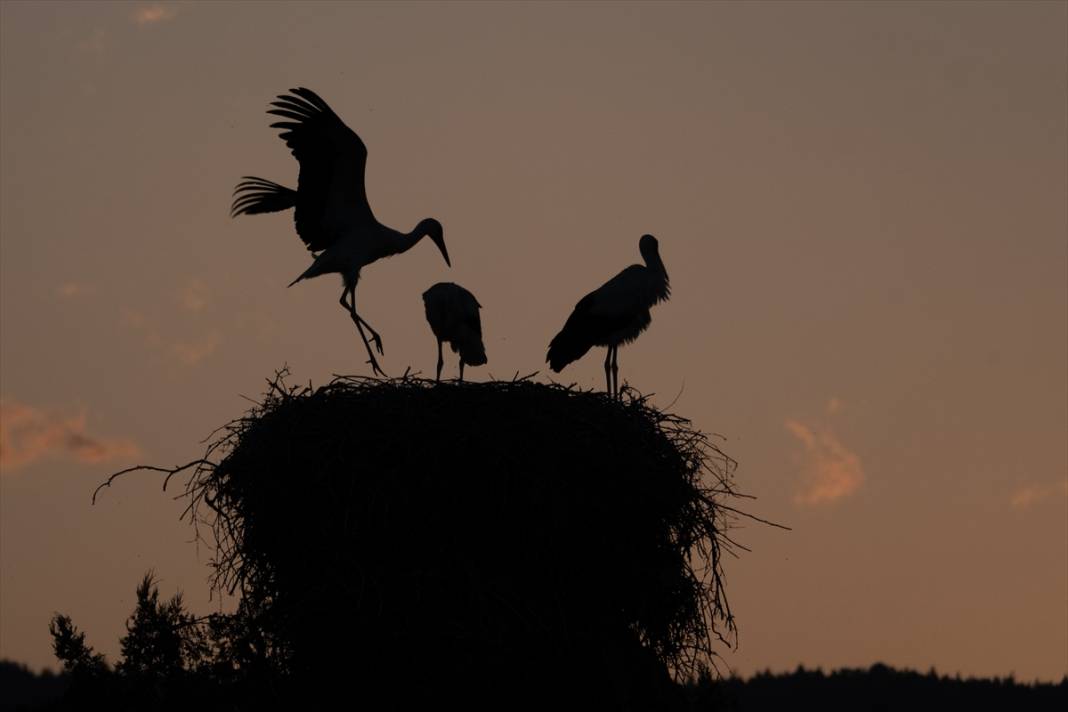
{"x":257,"y":195}
{"x":331,"y":193}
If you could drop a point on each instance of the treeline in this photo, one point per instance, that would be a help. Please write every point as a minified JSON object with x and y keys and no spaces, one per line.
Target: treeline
{"x":21,"y":688}
{"x":876,"y":688}
{"x":879,"y":687}
{"x":170,"y":659}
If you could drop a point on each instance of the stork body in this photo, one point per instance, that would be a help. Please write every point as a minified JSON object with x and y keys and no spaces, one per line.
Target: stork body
{"x":452,"y":312}
{"x":616,"y":313}
{"x":333,"y":217}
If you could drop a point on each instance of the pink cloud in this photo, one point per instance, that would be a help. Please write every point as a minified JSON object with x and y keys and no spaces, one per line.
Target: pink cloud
{"x":195,"y":295}
{"x":829,"y":470}
{"x":71,"y":290}
{"x":1029,"y":495}
{"x":193,"y":352}
{"x":833,"y":406}
{"x":95,"y":43}
{"x":190,"y":349}
{"x":138,"y":323}
{"x":153,"y":15}
{"x":29,"y":434}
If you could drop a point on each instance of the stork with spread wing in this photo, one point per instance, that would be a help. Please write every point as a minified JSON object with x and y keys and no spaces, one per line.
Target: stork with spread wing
{"x":332,"y":215}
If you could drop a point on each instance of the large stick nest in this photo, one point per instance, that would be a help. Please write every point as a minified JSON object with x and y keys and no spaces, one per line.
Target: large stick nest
{"x":404,"y":523}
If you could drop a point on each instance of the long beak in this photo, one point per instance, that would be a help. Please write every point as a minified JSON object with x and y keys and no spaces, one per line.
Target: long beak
{"x":440,"y":242}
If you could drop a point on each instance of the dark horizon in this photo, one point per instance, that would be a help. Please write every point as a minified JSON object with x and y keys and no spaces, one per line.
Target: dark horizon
{"x":839,"y":686}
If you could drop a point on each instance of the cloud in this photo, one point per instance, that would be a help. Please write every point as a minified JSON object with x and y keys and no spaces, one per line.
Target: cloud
{"x":94,"y":43}
{"x":833,"y":406}
{"x":829,"y":470}
{"x":260,"y":323}
{"x":137,"y":322}
{"x":1027,"y":496}
{"x":193,"y":352}
{"x":29,"y":434}
{"x":190,"y":351}
{"x":71,"y":290}
{"x":195,"y":295}
{"x":153,"y":15}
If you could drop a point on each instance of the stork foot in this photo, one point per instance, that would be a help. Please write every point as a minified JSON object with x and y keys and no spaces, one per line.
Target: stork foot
{"x":375,"y":338}
{"x":377,"y":341}
{"x":375,"y":369}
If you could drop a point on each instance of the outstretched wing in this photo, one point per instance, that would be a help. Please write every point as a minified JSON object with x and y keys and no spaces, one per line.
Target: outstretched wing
{"x":331,"y":195}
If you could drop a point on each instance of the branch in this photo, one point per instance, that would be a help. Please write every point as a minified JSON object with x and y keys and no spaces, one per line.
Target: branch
{"x":750,"y":516}
{"x":171,"y":472}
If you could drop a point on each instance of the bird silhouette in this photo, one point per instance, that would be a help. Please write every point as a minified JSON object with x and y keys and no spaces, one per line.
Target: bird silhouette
{"x":613,"y":314}
{"x":332,"y":215}
{"x":453,"y":315}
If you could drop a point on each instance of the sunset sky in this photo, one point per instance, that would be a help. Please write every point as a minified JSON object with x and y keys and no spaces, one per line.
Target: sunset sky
{"x":861,"y":206}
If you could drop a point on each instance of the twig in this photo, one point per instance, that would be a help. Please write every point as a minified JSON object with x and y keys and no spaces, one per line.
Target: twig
{"x":171,"y":472}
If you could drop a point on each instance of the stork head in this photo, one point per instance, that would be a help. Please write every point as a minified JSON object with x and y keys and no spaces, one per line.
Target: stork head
{"x":431,"y":228}
{"x":649,"y":247}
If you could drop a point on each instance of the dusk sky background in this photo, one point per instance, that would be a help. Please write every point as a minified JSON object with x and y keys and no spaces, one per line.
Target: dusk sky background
{"x":861,"y":206}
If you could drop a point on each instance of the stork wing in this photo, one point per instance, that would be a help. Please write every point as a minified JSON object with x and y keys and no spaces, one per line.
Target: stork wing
{"x":626,"y":294}
{"x":331,"y":195}
{"x":470,"y":307}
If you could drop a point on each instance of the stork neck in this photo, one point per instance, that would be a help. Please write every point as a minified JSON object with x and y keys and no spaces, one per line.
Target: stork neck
{"x":653,"y":262}
{"x":402,"y":242}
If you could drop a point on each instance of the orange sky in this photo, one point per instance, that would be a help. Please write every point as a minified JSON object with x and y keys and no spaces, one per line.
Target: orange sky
{"x":861,"y":206}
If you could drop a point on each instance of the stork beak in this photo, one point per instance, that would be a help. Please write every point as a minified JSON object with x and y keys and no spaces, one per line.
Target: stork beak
{"x":439,"y":240}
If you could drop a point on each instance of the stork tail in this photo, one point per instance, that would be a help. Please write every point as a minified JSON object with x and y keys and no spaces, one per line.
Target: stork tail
{"x":567,"y":346}
{"x":258,"y":195}
{"x":313,"y":271}
{"x":471,"y":348}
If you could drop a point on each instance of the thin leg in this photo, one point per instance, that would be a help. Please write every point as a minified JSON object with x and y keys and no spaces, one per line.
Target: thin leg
{"x":461,"y":369}
{"x":608,"y":373}
{"x":350,"y":306}
{"x":375,"y":338}
{"x":441,"y":362}
{"x":615,"y":369}
{"x":371,"y":355}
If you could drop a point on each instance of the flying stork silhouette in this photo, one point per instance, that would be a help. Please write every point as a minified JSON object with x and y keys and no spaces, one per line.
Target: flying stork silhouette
{"x":453,"y":315}
{"x":613,"y":314}
{"x":332,"y":215}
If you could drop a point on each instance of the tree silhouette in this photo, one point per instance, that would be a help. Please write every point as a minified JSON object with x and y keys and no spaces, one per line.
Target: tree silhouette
{"x":169,"y":659}
{"x":68,"y":643}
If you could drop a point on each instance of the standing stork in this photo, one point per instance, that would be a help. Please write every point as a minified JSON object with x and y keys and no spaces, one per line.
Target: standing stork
{"x":613,"y":314}
{"x":332,"y":215}
{"x":453,"y":315}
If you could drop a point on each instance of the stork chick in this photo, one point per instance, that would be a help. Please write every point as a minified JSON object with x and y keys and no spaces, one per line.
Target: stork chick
{"x":452,"y":312}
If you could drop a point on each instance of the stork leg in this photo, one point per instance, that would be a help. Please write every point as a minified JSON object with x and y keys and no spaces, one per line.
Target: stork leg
{"x":350,"y":306}
{"x":375,"y":338}
{"x":441,"y":362}
{"x":461,"y":369}
{"x":607,"y":371}
{"x":615,"y":370}
{"x":371,"y":357}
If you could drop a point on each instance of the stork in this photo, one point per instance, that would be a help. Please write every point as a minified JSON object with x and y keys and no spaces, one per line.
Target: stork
{"x":453,"y":315}
{"x":333,"y":217}
{"x":613,"y":314}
